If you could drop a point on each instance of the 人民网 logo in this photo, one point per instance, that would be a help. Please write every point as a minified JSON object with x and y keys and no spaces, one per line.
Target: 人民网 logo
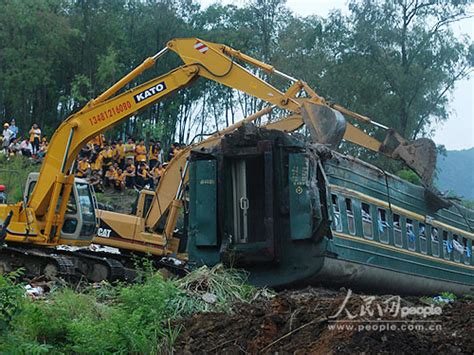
{"x":145,"y":94}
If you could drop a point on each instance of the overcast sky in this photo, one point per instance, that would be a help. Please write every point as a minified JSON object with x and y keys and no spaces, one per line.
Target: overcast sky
{"x":456,"y":133}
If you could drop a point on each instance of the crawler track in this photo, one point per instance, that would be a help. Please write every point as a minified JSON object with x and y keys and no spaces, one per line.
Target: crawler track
{"x":60,"y":263}
{"x":74,"y":265}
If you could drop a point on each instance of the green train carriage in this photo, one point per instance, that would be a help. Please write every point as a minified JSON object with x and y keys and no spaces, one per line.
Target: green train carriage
{"x":292,"y":213}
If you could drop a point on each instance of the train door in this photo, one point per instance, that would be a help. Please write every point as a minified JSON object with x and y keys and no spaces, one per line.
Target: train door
{"x":248,"y":200}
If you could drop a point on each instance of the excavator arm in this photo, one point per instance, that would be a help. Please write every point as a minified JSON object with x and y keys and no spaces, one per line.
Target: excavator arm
{"x":103,"y":113}
{"x":201,"y":59}
{"x":323,"y":119}
{"x":79,"y":128}
{"x":47,"y":203}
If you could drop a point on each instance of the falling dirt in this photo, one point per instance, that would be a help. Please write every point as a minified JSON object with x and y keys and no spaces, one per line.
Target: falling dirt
{"x":300,"y":322}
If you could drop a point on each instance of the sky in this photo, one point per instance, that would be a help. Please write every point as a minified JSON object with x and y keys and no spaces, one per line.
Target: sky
{"x":458,"y":131}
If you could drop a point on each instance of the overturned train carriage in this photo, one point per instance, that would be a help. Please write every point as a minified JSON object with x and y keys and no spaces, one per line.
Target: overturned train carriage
{"x":294,"y":213}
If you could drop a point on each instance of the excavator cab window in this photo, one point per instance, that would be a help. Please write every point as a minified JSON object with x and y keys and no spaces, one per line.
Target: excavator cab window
{"x":29,"y":190}
{"x":70,"y":223}
{"x":86,"y":203}
{"x":80,"y":219}
{"x":71,"y":206}
{"x":147,"y":204}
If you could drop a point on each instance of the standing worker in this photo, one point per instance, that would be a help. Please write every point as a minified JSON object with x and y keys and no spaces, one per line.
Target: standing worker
{"x":35,"y":137}
{"x":120,"y":154}
{"x":140,"y":153}
{"x":7,"y":135}
{"x":129,"y":150}
{"x":14,"y":129}
{"x":156,"y":155}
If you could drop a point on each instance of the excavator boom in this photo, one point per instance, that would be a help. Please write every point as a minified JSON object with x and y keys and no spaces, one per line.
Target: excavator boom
{"x":40,"y":219}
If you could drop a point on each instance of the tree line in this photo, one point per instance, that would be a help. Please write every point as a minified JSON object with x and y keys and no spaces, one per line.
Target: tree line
{"x":394,"y":61}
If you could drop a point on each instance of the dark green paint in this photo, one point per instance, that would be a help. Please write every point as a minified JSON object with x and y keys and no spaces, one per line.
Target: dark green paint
{"x":203,"y":196}
{"x":300,"y":201}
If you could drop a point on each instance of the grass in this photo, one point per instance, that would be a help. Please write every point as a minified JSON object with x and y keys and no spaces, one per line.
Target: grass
{"x":118,"y":202}
{"x":123,"y":318}
{"x":13,"y":174}
{"x":442,"y":299}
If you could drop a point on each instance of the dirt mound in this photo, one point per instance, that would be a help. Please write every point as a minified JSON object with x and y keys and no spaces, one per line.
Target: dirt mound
{"x":301,"y":322}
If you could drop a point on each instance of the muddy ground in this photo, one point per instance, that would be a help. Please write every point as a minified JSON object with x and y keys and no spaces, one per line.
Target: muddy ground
{"x":299,"y":322}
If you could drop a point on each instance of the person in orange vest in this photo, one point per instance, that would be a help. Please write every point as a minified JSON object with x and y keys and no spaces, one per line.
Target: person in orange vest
{"x":140,"y":153}
{"x":83,"y":168}
{"x":96,"y":162}
{"x":119,"y":180}
{"x":143,"y":176}
{"x":172,"y":151}
{"x":109,"y":176}
{"x":129,"y":149}
{"x":156,"y":154}
{"x":120,"y":154}
{"x":98,"y":140}
{"x":35,"y":137}
{"x":157,"y":173}
{"x":130,"y":174}
{"x":95,"y":180}
{"x":107,"y":158}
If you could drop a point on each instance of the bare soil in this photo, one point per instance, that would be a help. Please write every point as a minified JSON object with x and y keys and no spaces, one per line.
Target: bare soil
{"x":298,"y":322}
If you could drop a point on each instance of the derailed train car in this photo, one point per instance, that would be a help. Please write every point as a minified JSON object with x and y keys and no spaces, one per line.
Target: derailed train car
{"x":294,"y":213}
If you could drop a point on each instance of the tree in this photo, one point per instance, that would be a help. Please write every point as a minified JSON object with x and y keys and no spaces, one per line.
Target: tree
{"x":400,"y":59}
{"x":395,"y":61}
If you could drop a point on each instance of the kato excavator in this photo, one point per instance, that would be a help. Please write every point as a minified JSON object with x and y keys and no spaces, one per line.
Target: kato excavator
{"x":150,"y":228}
{"x":58,"y":209}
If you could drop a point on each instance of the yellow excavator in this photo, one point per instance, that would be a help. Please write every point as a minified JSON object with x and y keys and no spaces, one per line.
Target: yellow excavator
{"x":60,"y":210}
{"x":150,"y":228}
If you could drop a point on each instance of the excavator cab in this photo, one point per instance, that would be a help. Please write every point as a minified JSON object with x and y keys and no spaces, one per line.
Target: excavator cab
{"x":80,"y":222}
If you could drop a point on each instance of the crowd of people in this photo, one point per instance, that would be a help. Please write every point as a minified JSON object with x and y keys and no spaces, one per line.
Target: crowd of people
{"x":120,"y":165}
{"x":32,"y":145}
{"x":116,"y":165}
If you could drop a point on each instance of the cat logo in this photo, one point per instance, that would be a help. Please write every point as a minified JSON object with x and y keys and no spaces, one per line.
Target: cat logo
{"x":104,"y":232}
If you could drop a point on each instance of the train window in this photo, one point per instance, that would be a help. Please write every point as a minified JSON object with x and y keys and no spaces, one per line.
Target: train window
{"x":411,"y":236}
{"x":350,"y":216}
{"x":397,"y":230}
{"x":458,"y":248}
{"x":434,"y":241}
{"x":467,"y":251}
{"x":336,"y":213}
{"x":366,"y":221}
{"x":447,"y":246}
{"x":382,"y":225}
{"x":422,"y":235}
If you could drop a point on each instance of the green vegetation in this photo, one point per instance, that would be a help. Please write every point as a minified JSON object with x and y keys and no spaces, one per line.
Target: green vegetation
{"x":116,"y":201}
{"x":137,"y":318}
{"x":409,"y":176}
{"x":444,"y":298}
{"x":468,"y":204}
{"x":394,"y":61}
{"x":13,"y":174}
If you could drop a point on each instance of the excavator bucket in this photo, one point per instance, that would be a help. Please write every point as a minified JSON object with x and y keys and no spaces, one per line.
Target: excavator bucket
{"x":326,"y":126}
{"x":419,"y":155}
